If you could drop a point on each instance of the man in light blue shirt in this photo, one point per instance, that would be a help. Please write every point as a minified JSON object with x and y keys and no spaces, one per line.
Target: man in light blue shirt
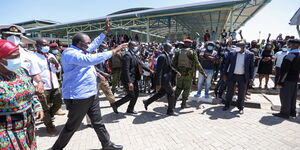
{"x":79,"y":87}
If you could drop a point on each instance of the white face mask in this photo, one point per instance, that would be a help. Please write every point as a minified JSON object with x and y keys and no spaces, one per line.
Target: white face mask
{"x":14,"y":39}
{"x":45,"y":49}
{"x":13,"y":64}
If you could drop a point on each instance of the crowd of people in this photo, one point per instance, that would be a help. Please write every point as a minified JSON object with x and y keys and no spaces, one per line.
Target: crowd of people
{"x":37,"y":82}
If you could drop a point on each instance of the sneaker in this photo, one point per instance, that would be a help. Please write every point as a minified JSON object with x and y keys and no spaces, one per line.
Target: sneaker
{"x":206,"y":96}
{"x":197,"y":95}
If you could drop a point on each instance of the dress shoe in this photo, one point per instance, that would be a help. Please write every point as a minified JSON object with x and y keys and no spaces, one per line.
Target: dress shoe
{"x":112,"y":146}
{"x":172,"y":113}
{"x":131,"y":112}
{"x":114,"y":107}
{"x":60,"y":112}
{"x":280,"y":115}
{"x":241,"y":111}
{"x":51,"y":131}
{"x":145,"y":105}
{"x":225,"y":108}
{"x":293,"y":114}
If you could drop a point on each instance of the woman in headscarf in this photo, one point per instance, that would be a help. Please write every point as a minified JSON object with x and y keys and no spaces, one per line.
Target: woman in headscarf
{"x":17,"y":101}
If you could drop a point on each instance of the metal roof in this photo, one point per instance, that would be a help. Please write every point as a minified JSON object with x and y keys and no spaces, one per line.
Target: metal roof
{"x":295,"y":20}
{"x":168,"y":22}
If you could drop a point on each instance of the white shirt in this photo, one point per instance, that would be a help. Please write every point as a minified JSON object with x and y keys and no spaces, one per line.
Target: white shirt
{"x":45,"y":73}
{"x":279,"y":58}
{"x":28,"y":61}
{"x":240,"y":64}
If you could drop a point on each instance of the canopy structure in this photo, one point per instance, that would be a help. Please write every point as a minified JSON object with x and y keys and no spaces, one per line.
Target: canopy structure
{"x":295,"y":20}
{"x":158,"y":24}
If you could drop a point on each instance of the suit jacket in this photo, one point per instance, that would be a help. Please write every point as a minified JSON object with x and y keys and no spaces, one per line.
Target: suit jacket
{"x":231,"y":61}
{"x":130,"y":68}
{"x":164,"y":71}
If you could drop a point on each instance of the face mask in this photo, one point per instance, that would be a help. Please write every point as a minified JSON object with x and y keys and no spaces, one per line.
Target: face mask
{"x":105,"y":50}
{"x":13,"y":64}
{"x":210,"y":47}
{"x":135,"y":49}
{"x":237,"y":49}
{"x":288,"y":49}
{"x":45,"y":49}
{"x":14,"y":39}
{"x":269,"y":46}
{"x":55,"y":51}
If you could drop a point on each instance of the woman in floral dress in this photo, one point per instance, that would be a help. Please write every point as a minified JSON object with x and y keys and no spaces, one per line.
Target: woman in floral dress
{"x":17,"y":102}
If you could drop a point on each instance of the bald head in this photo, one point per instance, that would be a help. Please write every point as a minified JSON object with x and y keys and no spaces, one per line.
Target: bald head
{"x":81,"y":40}
{"x":40,"y":42}
{"x":131,"y":45}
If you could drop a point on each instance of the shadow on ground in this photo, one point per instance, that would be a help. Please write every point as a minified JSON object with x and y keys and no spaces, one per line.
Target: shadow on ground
{"x":41,"y":131}
{"x":273,"y":120}
{"x":113,"y":117}
{"x":217,"y":113}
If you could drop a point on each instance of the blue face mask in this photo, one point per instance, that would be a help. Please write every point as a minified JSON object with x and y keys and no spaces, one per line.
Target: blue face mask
{"x":45,"y":49}
{"x":13,"y":64}
{"x":288,"y":49}
{"x":210,"y":47}
{"x":54,"y":51}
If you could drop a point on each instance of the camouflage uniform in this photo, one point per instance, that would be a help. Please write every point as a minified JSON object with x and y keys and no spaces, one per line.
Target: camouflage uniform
{"x":186,"y":62}
{"x":115,"y":63}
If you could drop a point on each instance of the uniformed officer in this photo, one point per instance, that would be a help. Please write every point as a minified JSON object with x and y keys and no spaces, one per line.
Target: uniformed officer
{"x":116,"y":64}
{"x":186,"y":62}
{"x":289,"y":76}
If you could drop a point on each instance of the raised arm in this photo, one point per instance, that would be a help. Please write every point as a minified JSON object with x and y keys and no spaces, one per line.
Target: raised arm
{"x":98,"y":40}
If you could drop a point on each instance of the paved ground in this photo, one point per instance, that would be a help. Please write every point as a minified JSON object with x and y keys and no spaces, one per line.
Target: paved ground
{"x":203,"y":126}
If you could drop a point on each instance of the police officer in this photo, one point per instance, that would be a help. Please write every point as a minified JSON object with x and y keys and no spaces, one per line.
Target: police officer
{"x":289,"y":76}
{"x":186,"y":62}
{"x":116,"y":64}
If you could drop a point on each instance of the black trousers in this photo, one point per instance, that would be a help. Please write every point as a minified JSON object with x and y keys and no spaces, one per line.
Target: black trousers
{"x":242,"y":84}
{"x":131,"y":96}
{"x":165,"y":89}
{"x":78,"y":108}
{"x":277,"y":75}
{"x":288,"y":96}
{"x":220,"y":87}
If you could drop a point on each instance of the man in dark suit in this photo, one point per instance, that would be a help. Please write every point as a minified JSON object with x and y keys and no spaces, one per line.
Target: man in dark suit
{"x":163,"y":78}
{"x":238,"y":69}
{"x":289,"y":76}
{"x":130,"y":75}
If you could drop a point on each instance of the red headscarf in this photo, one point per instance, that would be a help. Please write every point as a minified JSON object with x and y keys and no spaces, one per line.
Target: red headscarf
{"x":6,"y":48}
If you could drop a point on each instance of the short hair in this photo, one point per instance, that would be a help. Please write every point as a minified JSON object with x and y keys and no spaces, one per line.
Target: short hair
{"x":77,"y":38}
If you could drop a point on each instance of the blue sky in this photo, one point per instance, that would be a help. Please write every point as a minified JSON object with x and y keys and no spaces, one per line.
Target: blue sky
{"x":274,"y":18}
